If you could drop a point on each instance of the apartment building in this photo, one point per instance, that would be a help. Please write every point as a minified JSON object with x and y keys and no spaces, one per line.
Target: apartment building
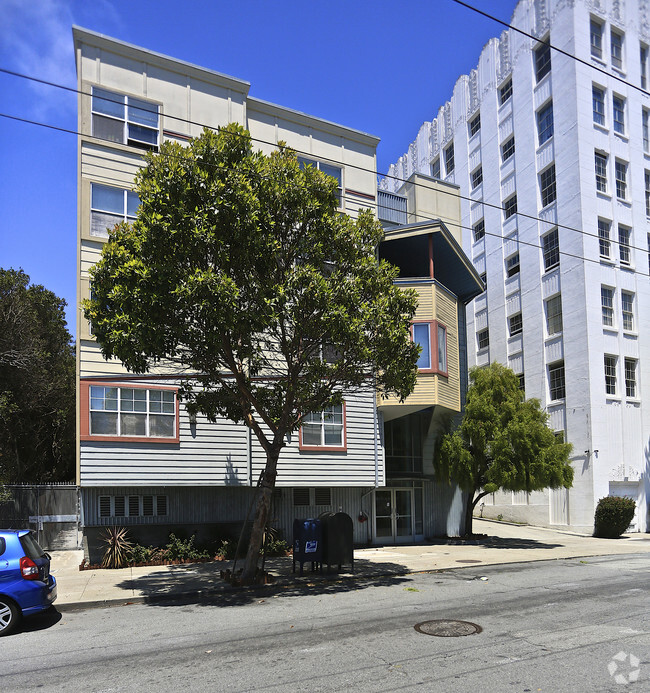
{"x":550,"y":149}
{"x":143,"y":461}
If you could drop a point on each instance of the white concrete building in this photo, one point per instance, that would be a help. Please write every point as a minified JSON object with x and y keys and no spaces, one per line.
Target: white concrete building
{"x":552,"y":156}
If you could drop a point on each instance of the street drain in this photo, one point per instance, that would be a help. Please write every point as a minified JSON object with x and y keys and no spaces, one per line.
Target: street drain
{"x":445,"y":628}
{"x":468,"y":560}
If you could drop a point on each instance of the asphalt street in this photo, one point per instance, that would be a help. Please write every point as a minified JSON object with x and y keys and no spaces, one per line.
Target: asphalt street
{"x":566,"y":625}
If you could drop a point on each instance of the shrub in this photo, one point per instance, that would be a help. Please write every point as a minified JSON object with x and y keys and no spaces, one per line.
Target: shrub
{"x":227,"y":550}
{"x":183,"y":549}
{"x":118,"y":547}
{"x":613,"y":516}
{"x":145,"y":554}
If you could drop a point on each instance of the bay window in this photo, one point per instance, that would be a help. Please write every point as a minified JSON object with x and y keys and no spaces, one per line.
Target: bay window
{"x":432,"y":338}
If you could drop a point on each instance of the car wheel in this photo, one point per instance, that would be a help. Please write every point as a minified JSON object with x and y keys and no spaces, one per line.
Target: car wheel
{"x":9,"y":616}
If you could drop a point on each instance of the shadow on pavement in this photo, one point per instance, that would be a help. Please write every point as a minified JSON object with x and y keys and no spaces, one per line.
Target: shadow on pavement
{"x":41,"y":621}
{"x":202,"y":584}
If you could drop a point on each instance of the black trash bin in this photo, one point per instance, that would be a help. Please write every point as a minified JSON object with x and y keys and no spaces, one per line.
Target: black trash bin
{"x":307,"y":543}
{"x":338,"y":542}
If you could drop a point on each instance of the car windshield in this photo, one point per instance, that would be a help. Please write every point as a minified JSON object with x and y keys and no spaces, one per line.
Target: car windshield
{"x":31,"y":547}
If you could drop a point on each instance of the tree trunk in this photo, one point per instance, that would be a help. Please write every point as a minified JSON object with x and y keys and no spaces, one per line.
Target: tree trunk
{"x":262,"y":507}
{"x":469,"y":514}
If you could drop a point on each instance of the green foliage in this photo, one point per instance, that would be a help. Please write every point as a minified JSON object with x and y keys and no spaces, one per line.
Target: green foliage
{"x":613,"y":516}
{"x":145,"y":554}
{"x":37,"y":384}
{"x":503,"y":441}
{"x":227,"y":550}
{"x":118,"y":547}
{"x":183,"y":549}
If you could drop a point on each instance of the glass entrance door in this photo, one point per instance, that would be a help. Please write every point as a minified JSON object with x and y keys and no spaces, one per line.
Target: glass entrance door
{"x":394,"y":515}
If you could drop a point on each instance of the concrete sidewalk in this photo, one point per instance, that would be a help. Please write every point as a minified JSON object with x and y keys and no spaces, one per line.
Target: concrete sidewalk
{"x":506,"y":543}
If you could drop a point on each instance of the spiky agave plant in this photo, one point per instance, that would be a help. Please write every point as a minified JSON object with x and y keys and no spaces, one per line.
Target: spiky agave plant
{"x":118,"y":547}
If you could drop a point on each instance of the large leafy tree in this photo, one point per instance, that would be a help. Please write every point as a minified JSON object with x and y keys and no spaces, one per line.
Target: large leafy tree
{"x":37,"y":392}
{"x":503,"y":442}
{"x":240,"y":273}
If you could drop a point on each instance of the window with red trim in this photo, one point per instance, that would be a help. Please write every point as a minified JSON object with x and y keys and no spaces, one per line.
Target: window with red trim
{"x":431,"y":336}
{"x":115,"y":411}
{"x":324,"y":430}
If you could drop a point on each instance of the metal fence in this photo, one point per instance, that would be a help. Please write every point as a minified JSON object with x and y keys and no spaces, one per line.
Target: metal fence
{"x":52,"y":511}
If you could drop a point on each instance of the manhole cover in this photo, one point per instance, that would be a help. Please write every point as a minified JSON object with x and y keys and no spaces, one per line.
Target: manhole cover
{"x":445,"y":628}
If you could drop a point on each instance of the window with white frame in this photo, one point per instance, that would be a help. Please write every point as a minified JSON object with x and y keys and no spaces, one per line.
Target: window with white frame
{"x":647,"y":193}
{"x":512,"y":265}
{"x":645,"y":127}
{"x":624,"y":252}
{"x":449,"y":159}
{"x":324,"y":429}
{"x":515,"y":324}
{"x":554,"y":315}
{"x":627,"y":307}
{"x":604,"y":242}
{"x":600,"y":161}
{"x":484,"y":275}
{"x":610,"y":374}
{"x":508,"y":148}
{"x":522,"y":381}
{"x":124,"y":119}
{"x":431,"y":337}
{"x":435,"y":168}
{"x":620,"y":173}
{"x":643,"y":54}
{"x":123,"y":506}
{"x":475,"y":125}
{"x":479,"y":229}
{"x":630,"y":377}
{"x":556,"y":384}
{"x":483,"y":339}
{"x":442,"y":348}
{"x":542,"y":61}
{"x":335,"y":172}
{"x":618,"y":104}
{"x":116,"y":411}
{"x":596,"y":39}
{"x":616,"y":45}
{"x":110,"y":206}
{"x":545,"y":123}
{"x":598,"y":104}
{"x":510,"y":207}
{"x":607,"y":305}
{"x":551,"y":250}
{"x":477,"y":177}
{"x":505,"y":92}
{"x":547,"y":187}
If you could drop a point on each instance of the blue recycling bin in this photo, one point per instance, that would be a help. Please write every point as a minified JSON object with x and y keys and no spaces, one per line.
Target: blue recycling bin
{"x":307,"y":543}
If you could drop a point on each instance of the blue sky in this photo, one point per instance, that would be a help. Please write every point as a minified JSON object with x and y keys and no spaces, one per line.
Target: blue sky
{"x":381,"y":67}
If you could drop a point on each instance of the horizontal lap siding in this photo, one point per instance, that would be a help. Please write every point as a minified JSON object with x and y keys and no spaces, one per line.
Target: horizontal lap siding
{"x":449,"y":387}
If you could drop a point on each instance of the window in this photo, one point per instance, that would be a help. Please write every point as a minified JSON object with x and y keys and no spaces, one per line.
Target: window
{"x":329,"y":170}
{"x":435,"y":168}
{"x":300,"y":496}
{"x":630,"y":377}
{"x":610,"y":374}
{"x":474,"y":125}
{"x":545,"y":123}
{"x":620,"y":172}
{"x":133,"y":506}
{"x":556,"y":380}
{"x":512,"y":265}
{"x":645,"y":126}
{"x":554,"y":315}
{"x":647,"y":193}
{"x":619,"y":114}
{"x":510,"y":207}
{"x":449,"y":158}
{"x":322,"y":496}
{"x":124,"y":119}
{"x":432,"y":339}
{"x":551,"y":250}
{"x":129,"y":412}
{"x":324,"y":429}
{"x":601,"y":171}
{"x":542,"y":61}
{"x":522,"y":382}
{"x":627,"y":305}
{"x":644,"y":66}
{"x":624,"y":254}
{"x":596,"y":34}
{"x":547,"y":185}
{"x":603,"y":238}
{"x":483,"y":339}
{"x":484,"y":275}
{"x":508,"y":148}
{"x":598,"y":101}
{"x":479,"y":229}
{"x":110,"y":206}
{"x":505,"y":92}
{"x":607,"y":305}
{"x":515,"y":324}
{"x":617,"y":49}
{"x":477,"y":177}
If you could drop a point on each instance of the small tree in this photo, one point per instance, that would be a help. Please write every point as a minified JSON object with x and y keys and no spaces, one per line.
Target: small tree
{"x":239,"y":272}
{"x":503,"y":442}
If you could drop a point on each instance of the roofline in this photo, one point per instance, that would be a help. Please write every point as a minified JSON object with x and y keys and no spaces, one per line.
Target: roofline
{"x":94,"y":38}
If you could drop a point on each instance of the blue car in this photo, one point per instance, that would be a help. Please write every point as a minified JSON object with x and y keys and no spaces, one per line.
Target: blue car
{"x":26,"y":586}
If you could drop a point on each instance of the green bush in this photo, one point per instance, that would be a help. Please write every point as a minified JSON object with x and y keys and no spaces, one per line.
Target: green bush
{"x":183,"y":549}
{"x":226,"y":550}
{"x":145,"y":554}
{"x":613,"y":516}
